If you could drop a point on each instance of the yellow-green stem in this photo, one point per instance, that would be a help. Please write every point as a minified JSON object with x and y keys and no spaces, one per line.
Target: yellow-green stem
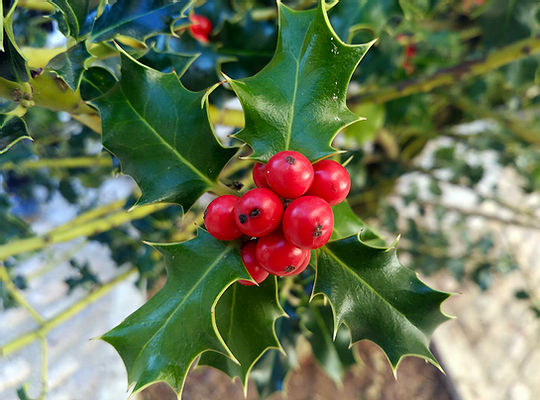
{"x":28,"y":338}
{"x":447,"y":76}
{"x":90,"y":228}
{"x":19,"y":298}
{"x":72,"y":162}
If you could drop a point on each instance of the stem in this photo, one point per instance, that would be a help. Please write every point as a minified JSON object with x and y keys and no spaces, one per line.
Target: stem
{"x":85,"y":229}
{"x":48,"y":325}
{"x":16,"y":294}
{"x":38,"y":5}
{"x":74,"y":162}
{"x":528,"y":134}
{"x":44,"y":366}
{"x":447,"y":76}
{"x":491,"y":217}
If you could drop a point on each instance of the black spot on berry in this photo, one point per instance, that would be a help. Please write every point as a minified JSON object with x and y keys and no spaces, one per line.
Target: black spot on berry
{"x":242,"y":218}
{"x":254,"y":212}
{"x":318,"y":231}
{"x":289,"y":268}
{"x":290,"y":159}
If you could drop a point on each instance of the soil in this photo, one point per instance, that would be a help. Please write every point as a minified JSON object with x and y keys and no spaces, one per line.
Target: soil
{"x":372,"y":379}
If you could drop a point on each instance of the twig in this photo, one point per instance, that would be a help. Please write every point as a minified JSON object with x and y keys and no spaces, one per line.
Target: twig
{"x":48,"y":325}
{"x":447,"y":76}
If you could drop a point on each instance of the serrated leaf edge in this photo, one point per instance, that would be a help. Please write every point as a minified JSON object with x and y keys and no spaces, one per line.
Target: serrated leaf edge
{"x":279,"y":347}
{"x":395,"y":367}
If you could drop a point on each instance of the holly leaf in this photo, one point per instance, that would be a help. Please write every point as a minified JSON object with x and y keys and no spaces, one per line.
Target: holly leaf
{"x":348,"y":16}
{"x":139,"y":18}
{"x":332,"y":354}
{"x":69,"y":65}
{"x":160,"y":340}
{"x":244,"y":313}
{"x":12,"y":130}
{"x":347,"y":223}
{"x":78,"y":15}
{"x":13,"y":66}
{"x":378,"y":299}
{"x":168,"y":61}
{"x":96,"y":81}
{"x":161,"y":134}
{"x":298,"y":101}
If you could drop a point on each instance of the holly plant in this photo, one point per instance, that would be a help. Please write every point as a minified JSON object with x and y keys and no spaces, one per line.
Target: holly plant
{"x":148,"y":76}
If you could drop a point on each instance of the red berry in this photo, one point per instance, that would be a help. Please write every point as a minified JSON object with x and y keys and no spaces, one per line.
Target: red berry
{"x":258,"y":212}
{"x":331,"y":182}
{"x":259,"y":175}
{"x":257,"y":272}
{"x":278,"y":256}
{"x":308,"y":222}
{"x":289,"y":174}
{"x":200,"y":27}
{"x":219,"y":218}
{"x":302,"y":267}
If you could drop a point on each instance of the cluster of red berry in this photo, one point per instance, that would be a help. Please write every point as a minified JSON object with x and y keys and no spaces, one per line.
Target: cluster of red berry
{"x":289,"y":212}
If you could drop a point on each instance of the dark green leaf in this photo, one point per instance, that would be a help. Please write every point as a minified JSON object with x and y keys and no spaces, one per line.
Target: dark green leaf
{"x":78,"y":15}
{"x":13,"y":65}
{"x":69,"y":65}
{"x":138,"y":18}
{"x":379,"y":299}
{"x":12,"y":129}
{"x":96,"y":81}
{"x":347,"y":223}
{"x":245,"y":313}
{"x":297,"y":101}
{"x":333,"y":355}
{"x":160,"y":340}
{"x":350,"y":15}
{"x":161,"y":134}
{"x":168,"y":61}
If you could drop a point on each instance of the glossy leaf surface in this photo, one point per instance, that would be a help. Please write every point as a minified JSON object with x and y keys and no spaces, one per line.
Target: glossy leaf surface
{"x":69,"y":65}
{"x":347,"y":223}
{"x":245,"y":317}
{"x":161,"y":134}
{"x":138,"y":18}
{"x":13,"y":65}
{"x":160,"y":340}
{"x":12,"y":130}
{"x":78,"y":15}
{"x":297,"y":102}
{"x":378,"y":298}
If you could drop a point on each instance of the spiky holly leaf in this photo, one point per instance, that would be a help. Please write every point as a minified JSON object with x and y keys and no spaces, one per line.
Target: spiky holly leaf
{"x":298,"y":101}
{"x":69,"y":65}
{"x":13,"y":66}
{"x":160,"y":340}
{"x":139,"y":19}
{"x":78,"y":15}
{"x":378,"y":298}
{"x":12,"y":130}
{"x":332,"y":354}
{"x":161,"y":134}
{"x":245,"y":317}
{"x":347,"y":223}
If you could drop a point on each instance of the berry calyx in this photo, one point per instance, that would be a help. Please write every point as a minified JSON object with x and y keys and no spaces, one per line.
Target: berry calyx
{"x":258,"y":273}
{"x":258,"y":212}
{"x":259,"y":175}
{"x":308,"y":222}
{"x":278,"y":256}
{"x":219,"y":218}
{"x":289,"y":174}
{"x":200,"y":27}
{"x":331,"y":182}
{"x":302,"y":267}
